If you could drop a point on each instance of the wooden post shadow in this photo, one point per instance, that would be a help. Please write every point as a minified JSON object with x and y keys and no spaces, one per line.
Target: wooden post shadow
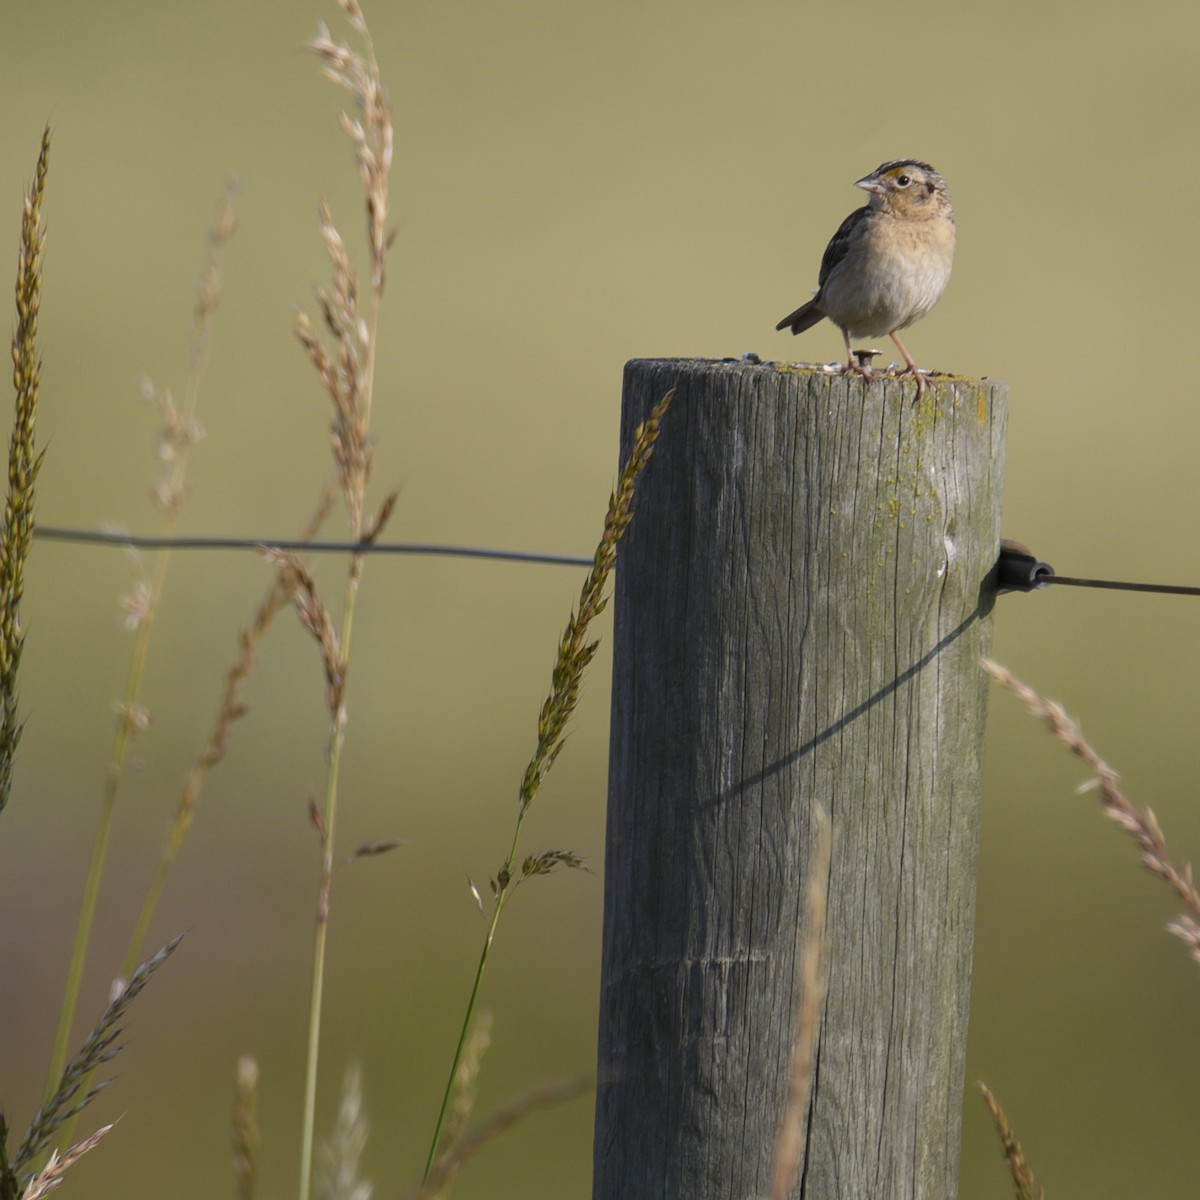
{"x":801,"y":605}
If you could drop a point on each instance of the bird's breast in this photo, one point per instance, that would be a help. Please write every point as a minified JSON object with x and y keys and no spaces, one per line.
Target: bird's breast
{"x":893,"y":276}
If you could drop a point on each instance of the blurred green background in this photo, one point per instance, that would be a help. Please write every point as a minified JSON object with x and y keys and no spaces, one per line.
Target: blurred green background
{"x":576,"y":185}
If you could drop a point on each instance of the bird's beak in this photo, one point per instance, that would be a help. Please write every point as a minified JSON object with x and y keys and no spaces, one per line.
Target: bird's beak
{"x":870,"y":184}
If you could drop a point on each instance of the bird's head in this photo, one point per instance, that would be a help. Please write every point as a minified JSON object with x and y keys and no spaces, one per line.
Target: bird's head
{"x":908,"y":188}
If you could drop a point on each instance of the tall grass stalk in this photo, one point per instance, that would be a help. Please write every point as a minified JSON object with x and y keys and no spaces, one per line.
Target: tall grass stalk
{"x":575,"y":652}
{"x":230,"y":708}
{"x":51,"y":1175}
{"x":72,"y":1090}
{"x":244,"y":1132}
{"x":792,"y":1140}
{"x":1141,"y":826}
{"x":341,"y":1154}
{"x":24,"y":462}
{"x":344,"y":360}
{"x":1027,"y":1187}
{"x":180,"y":431}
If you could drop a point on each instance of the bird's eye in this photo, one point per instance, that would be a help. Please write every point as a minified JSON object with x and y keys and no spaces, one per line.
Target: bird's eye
{"x":903,"y":181}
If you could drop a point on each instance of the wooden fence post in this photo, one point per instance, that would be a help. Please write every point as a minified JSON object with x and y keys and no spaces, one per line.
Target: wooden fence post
{"x":802,"y":601}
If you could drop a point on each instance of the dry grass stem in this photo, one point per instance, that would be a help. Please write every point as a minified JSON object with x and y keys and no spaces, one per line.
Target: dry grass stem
{"x":346,"y":366}
{"x":342,"y":370}
{"x":344,"y":360}
{"x":315,"y":618}
{"x":370,"y":132}
{"x":176,"y":436}
{"x":24,"y":462}
{"x":1143,"y":827}
{"x":100,"y":1047}
{"x":179,"y":432}
{"x":52,"y":1174}
{"x":1187,"y":931}
{"x":1023,"y":1180}
{"x":375,"y":526}
{"x":342,"y":1154}
{"x":230,"y":709}
{"x":793,"y":1129}
{"x":468,"y":1146}
{"x":180,"y":429}
{"x":208,"y":291}
{"x":244,"y":1134}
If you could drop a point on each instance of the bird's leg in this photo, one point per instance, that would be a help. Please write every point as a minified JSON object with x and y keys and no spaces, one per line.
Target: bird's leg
{"x":912,"y":367}
{"x":853,"y":366}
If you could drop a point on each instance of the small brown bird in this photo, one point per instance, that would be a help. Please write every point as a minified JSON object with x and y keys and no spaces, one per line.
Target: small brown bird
{"x":888,"y":263}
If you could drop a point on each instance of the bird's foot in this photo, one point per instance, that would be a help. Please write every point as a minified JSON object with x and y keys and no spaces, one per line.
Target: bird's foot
{"x":913,"y":373}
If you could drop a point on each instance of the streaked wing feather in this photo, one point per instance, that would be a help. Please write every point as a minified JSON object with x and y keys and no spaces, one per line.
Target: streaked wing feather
{"x":839,"y":244}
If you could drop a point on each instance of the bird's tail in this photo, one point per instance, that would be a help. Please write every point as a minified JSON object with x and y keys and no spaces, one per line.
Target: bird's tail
{"x":805,"y":317}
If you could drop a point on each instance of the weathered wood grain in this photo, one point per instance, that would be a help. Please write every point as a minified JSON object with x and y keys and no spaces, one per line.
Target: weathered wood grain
{"x":801,"y":605}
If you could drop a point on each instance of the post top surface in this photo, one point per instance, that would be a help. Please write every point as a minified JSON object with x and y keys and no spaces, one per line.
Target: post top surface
{"x":752,"y":363}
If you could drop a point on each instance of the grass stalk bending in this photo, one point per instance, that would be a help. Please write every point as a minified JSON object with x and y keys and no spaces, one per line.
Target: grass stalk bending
{"x":1140,"y":825}
{"x":575,"y":652}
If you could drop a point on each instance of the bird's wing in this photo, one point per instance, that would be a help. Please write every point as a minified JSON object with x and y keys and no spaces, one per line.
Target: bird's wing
{"x":839,"y":244}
